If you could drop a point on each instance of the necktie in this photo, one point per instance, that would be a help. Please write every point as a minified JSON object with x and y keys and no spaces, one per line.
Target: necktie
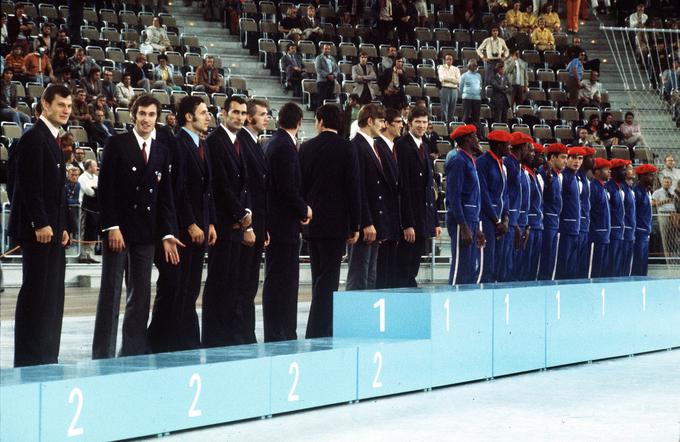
{"x":237,"y":147}
{"x":201,"y":149}
{"x":146,"y":157}
{"x":58,"y":140}
{"x":377,"y":155}
{"x":421,"y":151}
{"x":363,"y":66}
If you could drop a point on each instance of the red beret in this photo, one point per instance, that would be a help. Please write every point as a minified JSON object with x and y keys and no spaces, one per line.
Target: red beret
{"x":645,"y":168}
{"x":590,"y":151}
{"x":500,"y":136}
{"x":538,"y":148}
{"x":576,"y":151}
{"x":557,"y":148}
{"x":618,"y":162}
{"x":520,"y":138}
{"x":461,"y":131}
{"x":601,"y":162}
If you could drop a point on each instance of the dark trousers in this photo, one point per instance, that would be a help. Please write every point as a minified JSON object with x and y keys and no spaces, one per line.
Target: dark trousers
{"x":363,"y":261}
{"x":505,"y":257}
{"x":567,"y":255}
{"x":408,"y":261}
{"x":188,"y":334}
{"x":546,"y":270}
{"x":640,"y":255}
{"x":221,"y":319}
{"x":40,"y":305}
{"x":386,"y":267}
{"x":139,"y":258}
{"x":248,"y":283}
{"x":324,"y":91}
{"x":583,"y":256}
{"x":471,"y":111}
{"x":280,"y":291}
{"x":463,"y":258}
{"x":516,"y":95}
{"x":163,"y":326}
{"x":500,"y":110}
{"x":491,"y":250}
{"x":528,"y":267}
{"x":325,"y":256}
{"x":599,"y":259}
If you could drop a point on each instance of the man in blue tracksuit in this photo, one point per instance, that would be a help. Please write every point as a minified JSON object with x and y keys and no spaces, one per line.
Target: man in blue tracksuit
{"x":600,"y":220}
{"x":526,"y":157}
{"x":570,"y":216}
{"x":494,"y":198}
{"x":629,"y":222}
{"x":532,"y":249}
{"x":584,"y":188}
{"x":463,"y":202}
{"x":643,"y":217}
{"x":551,"y":173}
{"x":616,"y":207}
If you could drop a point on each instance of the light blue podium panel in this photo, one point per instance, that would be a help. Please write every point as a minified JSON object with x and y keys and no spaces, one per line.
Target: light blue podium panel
{"x":311,"y":373}
{"x":392,"y":367}
{"x":382,"y":314}
{"x":462,"y":335}
{"x":518,"y":328}
{"x":130,"y":397}
{"x":658,"y":323}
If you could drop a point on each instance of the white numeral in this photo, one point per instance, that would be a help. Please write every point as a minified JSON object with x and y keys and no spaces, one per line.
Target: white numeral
{"x":380,"y":304}
{"x":507,"y":309}
{"x":604,"y":300}
{"x":644,"y":298}
{"x":557,"y":298}
{"x":195,"y":379}
{"x":377,"y":359}
{"x":294,"y":367}
{"x":73,"y":430}
{"x":447,"y":307}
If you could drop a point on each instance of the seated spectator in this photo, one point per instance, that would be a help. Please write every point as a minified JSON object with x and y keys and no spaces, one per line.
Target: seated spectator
{"x":156,"y":37}
{"x":5,"y":47}
{"x":67,"y":143}
{"x":207,"y":77}
{"x":497,"y":6}
{"x":575,"y":69}
{"x":81,"y":64}
{"x":60,"y":63}
{"x":492,"y":51}
{"x":139,"y":77}
{"x":9,"y":100}
{"x":607,"y":132}
{"x":311,"y":26}
{"x":67,"y":81}
{"x":171,"y":122}
{"x":91,"y":84}
{"x":584,"y":138}
{"x":631,"y":135}
{"x":19,"y":27}
{"x":365,"y":77}
{"x":670,"y":79}
{"x":542,"y":38}
{"x":387,"y":61}
{"x":638,"y":19}
{"x":124,"y":91}
{"x":504,"y":31}
{"x":109,"y":88}
{"x":292,"y":65}
{"x":80,"y":112}
{"x":99,"y":129}
{"x":430,"y":139}
{"x":670,"y":171}
{"x":590,"y":91}
{"x":515,"y":17}
{"x":391,"y":83}
{"x":289,"y":22}
{"x":162,"y":75}
{"x":37,"y":67}
{"x":15,"y":61}
{"x":529,"y":19}
{"x":575,"y":49}
{"x":552,"y":20}
{"x":99,"y":103}
{"x":593,"y":127}
{"x":44,"y":39}
{"x":62,"y":42}
{"x":471,"y":15}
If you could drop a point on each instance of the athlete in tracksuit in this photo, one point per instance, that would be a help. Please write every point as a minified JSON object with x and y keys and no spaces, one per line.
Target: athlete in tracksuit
{"x":643,"y":212}
{"x":551,"y":172}
{"x":570,"y":216}
{"x":584,"y":186}
{"x":600,"y":220}
{"x":616,"y":206}
{"x":630,"y":219}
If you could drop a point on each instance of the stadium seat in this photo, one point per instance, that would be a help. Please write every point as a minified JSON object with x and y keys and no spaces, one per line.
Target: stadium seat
{"x":547,"y":113}
{"x":542,"y":132}
{"x":644,"y":155}
{"x":523,"y":128}
{"x":127,"y":18}
{"x":10,"y":130}
{"x":469,"y":53}
{"x":443,"y":147}
{"x":564,"y":133}
{"x":308,"y":92}
{"x":79,"y":134}
{"x":621,"y":152}
{"x":192,"y":59}
{"x":89,"y":33}
{"x":588,"y":111}
{"x":96,"y":53}
{"x":440,"y":128}
{"x":176,"y":96}
{"x":500,"y":126}
{"x":35,"y":90}
{"x":348,"y":51}
{"x":569,"y":114}
{"x":523,"y":110}
{"x":161,"y":95}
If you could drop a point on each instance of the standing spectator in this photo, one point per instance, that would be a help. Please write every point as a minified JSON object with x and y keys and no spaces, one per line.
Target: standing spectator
{"x":421,"y":9}
{"x":517,"y":72}
{"x":81,"y":111}
{"x":207,"y":77}
{"x":326,"y":74}
{"x":499,"y":100}
{"x":291,"y":63}
{"x":670,"y":79}
{"x":471,"y":91}
{"x":365,"y":76}
{"x":63,"y":43}
{"x":470,"y":15}
{"x":575,"y":69}
{"x":492,"y":51}
{"x":404,"y":15}
{"x":449,"y":77}
{"x":37,"y":67}
{"x":89,"y":211}
{"x":139,"y":75}
{"x":387,"y":61}
{"x":572,"y":15}
{"x":392,"y":82}
{"x":9,"y":100}
{"x":552,"y":20}
{"x":575,"y":49}
{"x":590,"y":91}
{"x":124,"y":91}
{"x":431,"y":138}
{"x":664,"y":199}
{"x":72,"y":191}
{"x":156,"y":37}
{"x":638,"y":19}
{"x":607,"y":132}
{"x":670,"y":171}
{"x":171,"y":122}
{"x":81,"y":64}
{"x":385,"y":20}
{"x":91,"y":84}
{"x":542,"y":38}
{"x":631,"y":135}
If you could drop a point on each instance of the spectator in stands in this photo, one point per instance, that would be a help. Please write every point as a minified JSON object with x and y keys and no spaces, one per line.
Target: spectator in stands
{"x":430,"y":139}
{"x":207,"y":77}
{"x":292,"y":65}
{"x":471,"y":91}
{"x":515,"y":17}
{"x":664,"y":200}
{"x":310,"y":25}
{"x":15,"y":61}
{"x":60,"y":63}
{"x":590,"y":91}
{"x":19,"y":27}
{"x":517,"y":71}
{"x":89,"y":212}
{"x":365,"y":76}
{"x":421,"y":9}
{"x":387,"y":61}
{"x":392,"y":82}
{"x":529,"y":19}
{"x":542,"y":38}
{"x":62,"y":42}
{"x":4,"y":48}
{"x":504,"y":31}
{"x":9,"y":100}
{"x":405,"y":15}
{"x":109,"y":88}
{"x":385,"y":20}
{"x":607,"y":131}
{"x":492,"y":51}
{"x":92,"y":84}
{"x":37,"y":67}
{"x":449,"y":77}
{"x":171,"y":122}
{"x":124,"y":91}
{"x":80,"y":113}
{"x":326,"y":74}
{"x":638,"y":19}
{"x":584,"y":138}
{"x":157,"y":37}
{"x":78,"y":155}
{"x":497,"y":6}
{"x":68,"y":82}
{"x":139,"y":76}
{"x":72,"y":190}
{"x":572,"y":15}
{"x":100,"y":129}
{"x":44,"y":39}
{"x":670,"y":79}
{"x":350,"y":117}
{"x":575,"y":49}
{"x":81,"y":64}
{"x":552,"y":20}
{"x":631,"y":135}
{"x":593,"y":127}
{"x":99,"y":103}
{"x":290,"y":21}
{"x":575,"y":69}
{"x":471,"y":15}
{"x":162,"y":75}
{"x":670,"y":171}
{"x":499,"y":99}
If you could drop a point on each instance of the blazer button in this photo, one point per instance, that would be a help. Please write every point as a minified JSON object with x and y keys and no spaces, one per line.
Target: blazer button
{"x":148,"y":208}
{"x":137,"y":188}
{"x":150,"y":190}
{"x":421,"y":174}
{"x":380,"y":212}
{"x":380,"y":197}
{"x":134,"y":206}
{"x":377,"y":182}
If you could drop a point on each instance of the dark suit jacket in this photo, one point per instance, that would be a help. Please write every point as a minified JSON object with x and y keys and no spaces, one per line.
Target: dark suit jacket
{"x":193,"y":196}
{"x":331,"y":186}
{"x":258,"y":172}
{"x":135,"y":196}
{"x":13,"y":27}
{"x":230,"y":177}
{"x":386,"y":76}
{"x":416,"y":192}
{"x":39,"y":199}
{"x":137,"y":73}
{"x":500,"y":87}
{"x":285,"y":205}
{"x":393,"y":231}
{"x":97,"y":134}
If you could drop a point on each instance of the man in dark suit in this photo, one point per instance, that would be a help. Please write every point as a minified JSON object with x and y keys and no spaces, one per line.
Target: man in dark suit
{"x":137,"y":209}
{"x":139,"y":73}
{"x":331,"y":185}
{"x":99,"y":130}
{"x":391,"y":82}
{"x":174,"y":324}
{"x":286,"y":210}
{"x":363,"y":256}
{"x":221,"y":318}
{"x":499,"y":98}
{"x":254,"y":237}
{"x":418,"y":211}
{"x":387,"y":253}
{"x":38,"y":224}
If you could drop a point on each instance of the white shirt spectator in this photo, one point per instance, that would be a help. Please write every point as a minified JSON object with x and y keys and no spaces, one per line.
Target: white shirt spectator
{"x":590,"y":90}
{"x":664,"y":199}
{"x":88,"y":183}
{"x":637,"y":20}
{"x":449,"y":76}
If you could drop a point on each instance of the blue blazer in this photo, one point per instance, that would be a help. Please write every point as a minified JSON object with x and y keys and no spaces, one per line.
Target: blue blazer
{"x":600,"y":213}
{"x":570,"y":216}
{"x":463,"y":195}
{"x":392,"y":221}
{"x":514,"y":188}
{"x":584,"y":186}
{"x":193,"y":195}
{"x":616,"y":208}
{"x":630,"y":215}
{"x":258,"y":181}
{"x":493,"y":187}
{"x":535,"y":201}
{"x":643,"y":211}
{"x":552,"y":199}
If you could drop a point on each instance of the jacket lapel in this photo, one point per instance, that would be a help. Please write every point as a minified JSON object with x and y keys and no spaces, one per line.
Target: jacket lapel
{"x":193,"y":150}
{"x":54,"y":147}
